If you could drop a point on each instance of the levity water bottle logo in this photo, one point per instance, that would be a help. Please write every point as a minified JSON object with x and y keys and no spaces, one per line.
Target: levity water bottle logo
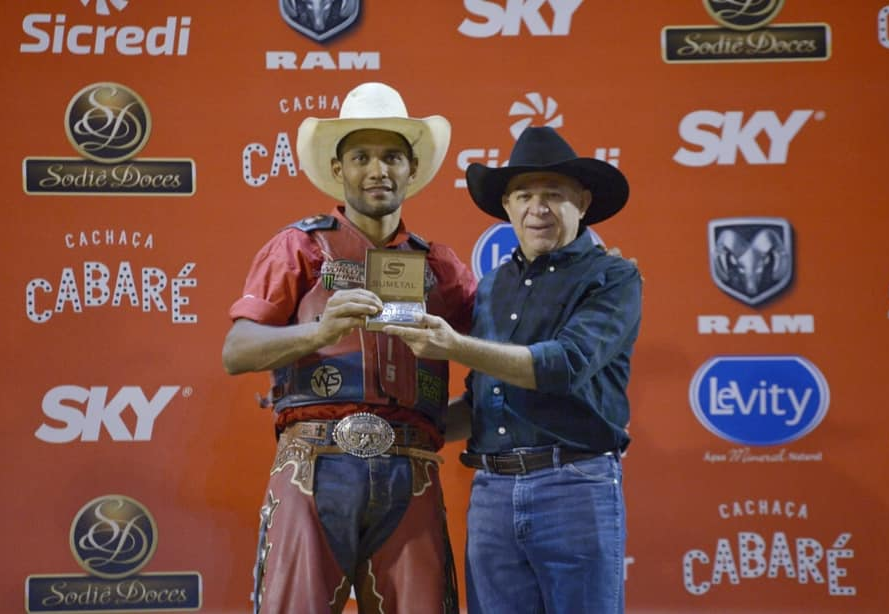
{"x":759,"y":400}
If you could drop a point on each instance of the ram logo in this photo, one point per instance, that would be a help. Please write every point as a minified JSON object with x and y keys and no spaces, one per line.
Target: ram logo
{"x":320,"y":19}
{"x":751,"y":258}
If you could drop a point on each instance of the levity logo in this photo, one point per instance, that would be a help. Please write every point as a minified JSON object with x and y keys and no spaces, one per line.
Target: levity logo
{"x":506,"y":19}
{"x":55,"y":33}
{"x":496,"y":245}
{"x":883,"y":26}
{"x":112,"y":539}
{"x":744,"y":34}
{"x":759,"y":400}
{"x":108,"y":124}
{"x":84,"y":412}
{"x":719,"y":137}
{"x":534,"y":109}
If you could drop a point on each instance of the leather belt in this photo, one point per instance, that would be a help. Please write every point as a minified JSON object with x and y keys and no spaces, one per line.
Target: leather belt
{"x":521,"y":463}
{"x":321,"y":432}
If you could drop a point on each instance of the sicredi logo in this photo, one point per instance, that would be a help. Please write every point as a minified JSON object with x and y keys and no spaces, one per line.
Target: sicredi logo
{"x":54,"y":33}
{"x":496,"y":245}
{"x":759,"y":400}
{"x":507,"y":19}
{"x":84,"y":412}
{"x":534,"y":109}
{"x":719,"y":137}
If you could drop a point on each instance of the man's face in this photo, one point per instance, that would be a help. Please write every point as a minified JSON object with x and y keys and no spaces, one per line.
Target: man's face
{"x":545,"y":210}
{"x":375,"y":169}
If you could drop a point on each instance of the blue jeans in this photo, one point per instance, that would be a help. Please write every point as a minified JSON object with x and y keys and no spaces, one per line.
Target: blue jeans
{"x":548,"y":541}
{"x":360,"y":502}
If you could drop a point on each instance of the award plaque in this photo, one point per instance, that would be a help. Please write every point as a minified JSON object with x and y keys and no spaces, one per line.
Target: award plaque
{"x":397,"y":277}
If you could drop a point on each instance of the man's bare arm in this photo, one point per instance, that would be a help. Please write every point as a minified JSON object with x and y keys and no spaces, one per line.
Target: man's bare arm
{"x":250,"y":346}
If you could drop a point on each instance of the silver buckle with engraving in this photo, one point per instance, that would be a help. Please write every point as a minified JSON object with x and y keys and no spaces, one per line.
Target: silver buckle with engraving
{"x":363,"y":435}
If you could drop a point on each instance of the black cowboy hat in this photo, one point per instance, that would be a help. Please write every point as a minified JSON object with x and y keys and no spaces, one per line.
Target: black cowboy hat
{"x":543,"y":150}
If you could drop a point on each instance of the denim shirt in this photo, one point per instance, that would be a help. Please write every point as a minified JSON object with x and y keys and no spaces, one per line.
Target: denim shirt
{"x":578,"y":310}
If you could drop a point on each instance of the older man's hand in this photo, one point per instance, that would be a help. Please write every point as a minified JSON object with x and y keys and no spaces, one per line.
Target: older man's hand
{"x":434,"y":338}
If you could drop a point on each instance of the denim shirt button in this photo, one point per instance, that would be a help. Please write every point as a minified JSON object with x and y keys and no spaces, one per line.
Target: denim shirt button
{"x":501,"y":430}
{"x":496,"y":390}
{"x":513,"y":316}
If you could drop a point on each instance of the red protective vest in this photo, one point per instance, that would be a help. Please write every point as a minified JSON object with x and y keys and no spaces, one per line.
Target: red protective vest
{"x":363,"y":367}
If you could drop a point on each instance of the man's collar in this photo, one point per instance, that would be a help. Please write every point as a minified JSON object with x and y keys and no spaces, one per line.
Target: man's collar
{"x":575,"y":249}
{"x":401,"y":235}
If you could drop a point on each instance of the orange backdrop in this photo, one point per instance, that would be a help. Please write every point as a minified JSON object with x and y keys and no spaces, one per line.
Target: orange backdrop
{"x":126,"y":395}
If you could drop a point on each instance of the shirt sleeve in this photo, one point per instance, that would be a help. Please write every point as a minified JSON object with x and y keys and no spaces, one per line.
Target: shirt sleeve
{"x":603,"y":324}
{"x":282,"y":272}
{"x":457,"y":286}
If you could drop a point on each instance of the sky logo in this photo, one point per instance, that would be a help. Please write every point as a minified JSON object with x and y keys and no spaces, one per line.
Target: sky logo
{"x":759,"y":400}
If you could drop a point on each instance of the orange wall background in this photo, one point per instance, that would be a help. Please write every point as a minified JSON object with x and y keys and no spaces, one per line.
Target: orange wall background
{"x":202,"y":468}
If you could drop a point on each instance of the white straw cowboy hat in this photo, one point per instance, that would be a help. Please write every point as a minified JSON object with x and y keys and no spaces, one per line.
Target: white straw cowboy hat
{"x":371,"y":106}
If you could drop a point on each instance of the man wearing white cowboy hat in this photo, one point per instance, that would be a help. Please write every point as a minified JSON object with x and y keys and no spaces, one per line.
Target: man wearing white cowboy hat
{"x":549,"y":349}
{"x":354,"y":498}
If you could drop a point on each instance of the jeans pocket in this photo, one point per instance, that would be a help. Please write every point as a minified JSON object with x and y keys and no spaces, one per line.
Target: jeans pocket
{"x":597,"y":469}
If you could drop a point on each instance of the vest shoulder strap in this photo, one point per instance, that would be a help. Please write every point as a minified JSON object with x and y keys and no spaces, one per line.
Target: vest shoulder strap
{"x":417,"y":242}
{"x":316,"y":222}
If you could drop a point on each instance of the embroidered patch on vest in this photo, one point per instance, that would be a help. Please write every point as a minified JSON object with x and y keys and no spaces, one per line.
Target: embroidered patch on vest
{"x":342,"y":274}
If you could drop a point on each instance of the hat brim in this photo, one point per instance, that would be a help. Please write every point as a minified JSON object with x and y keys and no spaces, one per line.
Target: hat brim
{"x":316,"y":142}
{"x":609,"y":187}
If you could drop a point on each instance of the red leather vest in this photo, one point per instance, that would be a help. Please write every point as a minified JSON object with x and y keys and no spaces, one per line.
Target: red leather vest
{"x":363,"y":367}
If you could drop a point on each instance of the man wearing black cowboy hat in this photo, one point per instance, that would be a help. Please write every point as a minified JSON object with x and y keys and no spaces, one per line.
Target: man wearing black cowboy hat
{"x":549,"y":352}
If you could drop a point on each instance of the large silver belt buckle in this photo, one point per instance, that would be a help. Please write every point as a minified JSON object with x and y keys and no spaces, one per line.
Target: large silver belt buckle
{"x":363,"y":435}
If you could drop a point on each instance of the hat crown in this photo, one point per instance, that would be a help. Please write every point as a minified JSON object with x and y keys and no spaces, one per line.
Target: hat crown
{"x":373,"y":100}
{"x":540,"y":146}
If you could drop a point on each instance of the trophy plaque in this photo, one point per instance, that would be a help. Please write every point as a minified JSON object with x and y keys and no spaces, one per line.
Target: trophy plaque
{"x":397,"y":277}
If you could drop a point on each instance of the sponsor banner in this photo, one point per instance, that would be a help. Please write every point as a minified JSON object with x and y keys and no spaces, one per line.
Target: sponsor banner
{"x":108,"y":124}
{"x":532,"y":109}
{"x":745,"y":34}
{"x":759,"y":400}
{"x":113,"y":537}
{"x":518,"y":17}
{"x":718,"y":138}
{"x":107,"y":31}
{"x":772,"y":541}
{"x":94,"y":413}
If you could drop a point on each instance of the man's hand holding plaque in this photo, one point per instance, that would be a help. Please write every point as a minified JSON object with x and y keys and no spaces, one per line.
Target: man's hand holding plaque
{"x":397,"y":277}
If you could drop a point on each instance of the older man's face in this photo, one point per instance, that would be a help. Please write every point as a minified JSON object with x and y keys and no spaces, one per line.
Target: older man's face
{"x":375,"y":168}
{"x":545,"y":210}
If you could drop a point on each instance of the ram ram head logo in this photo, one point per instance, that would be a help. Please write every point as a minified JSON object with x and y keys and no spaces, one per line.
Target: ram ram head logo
{"x":751,"y":259}
{"x":320,"y":19}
